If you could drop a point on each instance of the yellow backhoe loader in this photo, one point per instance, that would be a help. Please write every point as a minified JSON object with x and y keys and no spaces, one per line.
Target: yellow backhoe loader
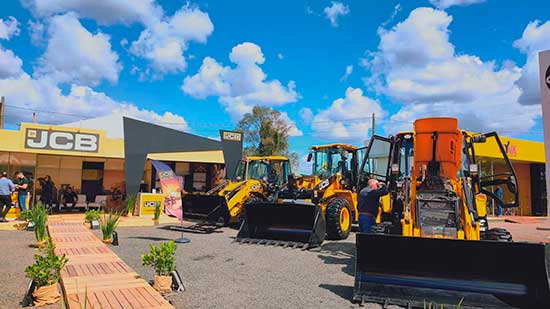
{"x":223,"y":204}
{"x":309,"y":208}
{"x":433,"y":245}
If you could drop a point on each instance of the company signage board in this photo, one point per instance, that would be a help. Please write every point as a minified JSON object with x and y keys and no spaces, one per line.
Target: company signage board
{"x":148,"y":202}
{"x":232,"y":136}
{"x":61,"y":140}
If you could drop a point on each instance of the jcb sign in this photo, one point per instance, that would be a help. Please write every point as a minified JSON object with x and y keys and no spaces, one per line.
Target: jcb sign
{"x":232,"y":136}
{"x":151,"y":204}
{"x":61,"y":140}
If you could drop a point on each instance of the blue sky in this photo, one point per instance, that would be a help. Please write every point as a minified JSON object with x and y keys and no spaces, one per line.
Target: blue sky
{"x":198,"y":66}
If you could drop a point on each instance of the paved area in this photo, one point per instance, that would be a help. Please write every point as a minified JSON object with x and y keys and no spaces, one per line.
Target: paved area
{"x":94,"y":276}
{"x":525,"y":228}
{"x":221,"y":274}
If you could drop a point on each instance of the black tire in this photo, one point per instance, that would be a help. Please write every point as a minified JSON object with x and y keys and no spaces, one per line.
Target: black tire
{"x":334,"y":228}
{"x":498,"y":234}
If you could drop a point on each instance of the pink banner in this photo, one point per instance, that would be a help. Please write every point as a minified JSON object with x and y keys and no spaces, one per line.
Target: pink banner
{"x":170,"y":184}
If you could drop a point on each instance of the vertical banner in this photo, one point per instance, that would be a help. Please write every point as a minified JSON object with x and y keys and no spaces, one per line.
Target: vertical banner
{"x":544,"y":63}
{"x":171,"y":189}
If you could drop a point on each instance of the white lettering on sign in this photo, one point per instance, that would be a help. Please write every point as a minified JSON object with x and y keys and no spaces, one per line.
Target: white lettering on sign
{"x":61,"y":140}
{"x":232,"y":136}
{"x":151,"y":204}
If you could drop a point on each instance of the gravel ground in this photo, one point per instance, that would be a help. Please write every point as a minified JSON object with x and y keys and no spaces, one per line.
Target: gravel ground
{"x":17,"y":255}
{"x":220,"y":274}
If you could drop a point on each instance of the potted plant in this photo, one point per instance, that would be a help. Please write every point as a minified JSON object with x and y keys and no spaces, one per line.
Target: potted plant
{"x":91,"y":218}
{"x":108,"y":224}
{"x":130,"y":204}
{"x":162,"y":259}
{"x":157,"y":214}
{"x":38,"y":215}
{"x":46,"y":272}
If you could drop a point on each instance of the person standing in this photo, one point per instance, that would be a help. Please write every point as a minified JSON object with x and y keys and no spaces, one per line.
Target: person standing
{"x":368,"y":202}
{"x":47,"y":191}
{"x":499,"y":193}
{"x":22,"y":186}
{"x":6,"y":188}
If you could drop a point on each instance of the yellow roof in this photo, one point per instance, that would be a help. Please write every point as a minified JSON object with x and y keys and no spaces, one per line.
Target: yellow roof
{"x":212,"y":156}
{"x":345,"y":146}
{"x":270,"y":158}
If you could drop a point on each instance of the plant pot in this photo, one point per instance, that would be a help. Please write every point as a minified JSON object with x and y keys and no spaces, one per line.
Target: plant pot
{"x":46,"y":295}
{"x":41,"y":244}
{"x":163,"y":284}
{"x":108,"y":241}
{"x":155,"y":222}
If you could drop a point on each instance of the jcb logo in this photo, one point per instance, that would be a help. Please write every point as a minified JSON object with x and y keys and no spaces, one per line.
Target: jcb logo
{"x":165,"y":174}
{"x":61,"y":140}
{"x":151,"y":204}
{"x":232,"y":136}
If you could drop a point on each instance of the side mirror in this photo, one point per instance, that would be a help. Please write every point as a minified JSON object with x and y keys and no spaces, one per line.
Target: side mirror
{"x":473,"y":169}
{"x":309,"y":157}
{"x":511,"y":185}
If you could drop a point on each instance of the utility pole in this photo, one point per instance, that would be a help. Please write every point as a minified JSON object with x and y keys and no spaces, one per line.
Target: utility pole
{"x":2,"y":108}
{"x":373,"y":129}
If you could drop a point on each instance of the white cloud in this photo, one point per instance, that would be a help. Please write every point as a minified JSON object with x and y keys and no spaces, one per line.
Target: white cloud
{"x":444,"y":4}
{"x":349,"y":70}
{"x":25,"y":94}
{"x":8,"y":28}
{"x":241,"y":87}
{"x":306,"y":114}
{"x":10,"y":64}
{"x":293,"y":129}
{"x":334,"y":12}
{"x":164,"y":39}
{"x":535,"y":38}
{"x":280,"y":56}
{"x":105,"y":12}
{"x":164,"y":42}
{"x":86,"y":58}
{"x":417,"y":65}
{"x":347,"y":118}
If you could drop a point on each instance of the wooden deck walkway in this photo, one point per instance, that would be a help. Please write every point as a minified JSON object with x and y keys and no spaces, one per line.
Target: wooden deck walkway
{"x":95,"y":275}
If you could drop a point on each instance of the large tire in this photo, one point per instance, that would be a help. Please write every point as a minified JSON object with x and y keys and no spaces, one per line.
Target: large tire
{"x":338,"y":218}
{"x":498,"y":234}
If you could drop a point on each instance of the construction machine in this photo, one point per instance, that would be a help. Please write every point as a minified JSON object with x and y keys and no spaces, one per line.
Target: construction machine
{"x":432,"y":245}
{"x":308,"y":209}
{"x":223,"y":203}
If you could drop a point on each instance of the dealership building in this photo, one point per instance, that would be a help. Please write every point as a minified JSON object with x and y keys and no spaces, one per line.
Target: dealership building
{"x":93,"y":156}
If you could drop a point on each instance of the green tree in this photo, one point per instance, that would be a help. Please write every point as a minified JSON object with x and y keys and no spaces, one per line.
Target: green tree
{"x":265,"y":133}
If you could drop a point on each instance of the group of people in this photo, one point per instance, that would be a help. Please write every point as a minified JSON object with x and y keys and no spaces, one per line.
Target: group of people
{"x":7,"y":186}
{"x":21,"y":185}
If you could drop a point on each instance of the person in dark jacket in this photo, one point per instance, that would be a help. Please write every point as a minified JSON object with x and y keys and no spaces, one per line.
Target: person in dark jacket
{"x":69,"y":197}
{"x":368,"y":202}
{"x":47,"y":191}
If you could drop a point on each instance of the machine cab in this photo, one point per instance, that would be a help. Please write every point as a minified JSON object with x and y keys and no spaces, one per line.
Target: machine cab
{"x":272,"y":169}
{"x":335,"y":159}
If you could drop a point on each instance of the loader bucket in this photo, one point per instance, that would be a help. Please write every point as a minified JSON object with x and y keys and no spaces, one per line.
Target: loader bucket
{"x":292,"y":223}
{"x":210,"y":208}
{"x":415,"y":271}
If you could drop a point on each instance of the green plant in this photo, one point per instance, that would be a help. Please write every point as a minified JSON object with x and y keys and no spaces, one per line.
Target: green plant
{"x":161,"y":258}
{"x":39,"y":216}
{"x":92,"y":215}
{"x":47,"y":266}
{"x":131,"y":203}
{"x":157,"y":212}
{"x":108,"y":224}
{"x":25,"y":215}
